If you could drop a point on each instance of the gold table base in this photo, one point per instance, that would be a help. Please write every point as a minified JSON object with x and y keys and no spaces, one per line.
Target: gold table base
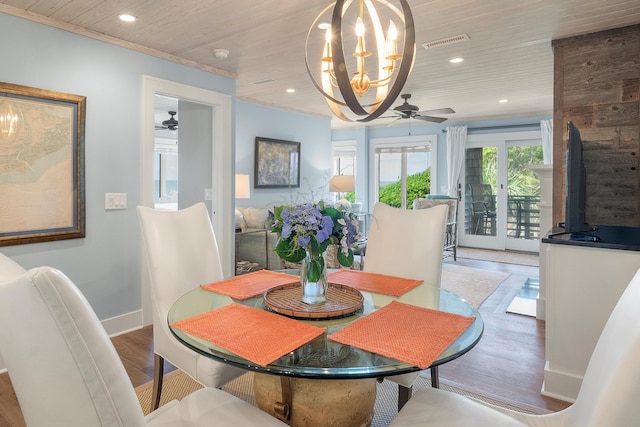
{"x":316,"y":402}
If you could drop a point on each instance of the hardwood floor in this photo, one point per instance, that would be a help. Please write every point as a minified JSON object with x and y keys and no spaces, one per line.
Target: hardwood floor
{"x":508,"y":361}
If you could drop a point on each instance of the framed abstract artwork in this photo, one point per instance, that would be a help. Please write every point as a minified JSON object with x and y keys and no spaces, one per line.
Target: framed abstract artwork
{"x":41,"y":165}
{"x":277,"y":163}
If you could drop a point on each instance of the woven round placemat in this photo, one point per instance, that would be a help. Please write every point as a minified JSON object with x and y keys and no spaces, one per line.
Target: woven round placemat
{"x":286,"y":299}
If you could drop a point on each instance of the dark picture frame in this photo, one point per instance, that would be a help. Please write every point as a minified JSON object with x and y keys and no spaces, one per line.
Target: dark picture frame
{"x":42,"y":190}
{"x":277,"y":163}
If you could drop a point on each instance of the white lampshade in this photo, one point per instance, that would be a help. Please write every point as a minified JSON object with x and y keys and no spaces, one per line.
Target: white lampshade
{"x":242,"y":186}
{"x":342,"y":184}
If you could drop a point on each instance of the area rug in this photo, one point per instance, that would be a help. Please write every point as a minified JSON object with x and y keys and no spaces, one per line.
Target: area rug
{"x":507,"y":257}
{"x":472,"y":284}
{"x":177,"y":385}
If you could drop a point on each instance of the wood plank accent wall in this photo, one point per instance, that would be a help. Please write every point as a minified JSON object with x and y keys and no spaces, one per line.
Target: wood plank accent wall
{"x":597,"y":87}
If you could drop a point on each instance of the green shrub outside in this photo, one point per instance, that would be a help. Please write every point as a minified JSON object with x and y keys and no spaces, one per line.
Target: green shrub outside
{"x":418,"y":185}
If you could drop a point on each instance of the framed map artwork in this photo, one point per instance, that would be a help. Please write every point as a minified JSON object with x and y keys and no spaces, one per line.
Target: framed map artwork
{"x":277,"y":163}
{"x":41,"y":165}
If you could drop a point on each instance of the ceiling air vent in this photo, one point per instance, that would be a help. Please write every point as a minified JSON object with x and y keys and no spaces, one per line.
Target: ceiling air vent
{"x":445,"y":42}
{"x":262,"y":82}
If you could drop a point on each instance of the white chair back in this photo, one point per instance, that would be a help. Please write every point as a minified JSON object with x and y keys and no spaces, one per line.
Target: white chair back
{"x":9,"y":268}
{"x":182,"y":254}
{"x":611,"y":386}
{"x":406,"y":243}
{"x":62,"y":365}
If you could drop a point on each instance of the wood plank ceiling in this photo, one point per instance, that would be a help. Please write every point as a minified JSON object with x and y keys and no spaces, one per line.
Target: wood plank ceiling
{"x":508,"y":55}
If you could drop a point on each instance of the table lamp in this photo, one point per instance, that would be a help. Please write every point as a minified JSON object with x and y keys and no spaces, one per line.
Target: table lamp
{"x":342,"y":184}
{"x":243,"y":191}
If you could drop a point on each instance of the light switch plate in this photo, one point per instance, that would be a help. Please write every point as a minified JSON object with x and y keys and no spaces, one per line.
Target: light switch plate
{"x":113,"y":201}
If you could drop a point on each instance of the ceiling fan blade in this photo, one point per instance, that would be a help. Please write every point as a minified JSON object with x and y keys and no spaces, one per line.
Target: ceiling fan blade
{"x":430,"y":119}
{"x":158,"y":127}
{"x":438,"y":111}
{"x":393,"y":121}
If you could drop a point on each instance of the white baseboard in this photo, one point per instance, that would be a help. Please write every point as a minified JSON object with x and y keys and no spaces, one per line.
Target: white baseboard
{"x":560,"y":385}
{"x":114,"y":326}
{"x":122,"y":324}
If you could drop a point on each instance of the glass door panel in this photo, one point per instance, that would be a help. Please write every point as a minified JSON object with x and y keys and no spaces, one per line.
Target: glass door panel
{"x":481,"y":197}
{"x":523,"y":196}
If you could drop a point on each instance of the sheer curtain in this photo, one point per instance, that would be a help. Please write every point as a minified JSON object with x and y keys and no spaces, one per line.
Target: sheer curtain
{"x":456,"y":141}
{"x":546,"y":127}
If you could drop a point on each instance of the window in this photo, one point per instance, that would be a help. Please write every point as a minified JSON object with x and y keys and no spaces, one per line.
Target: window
{"x":344,"y":162}
{"x":403,"y":169}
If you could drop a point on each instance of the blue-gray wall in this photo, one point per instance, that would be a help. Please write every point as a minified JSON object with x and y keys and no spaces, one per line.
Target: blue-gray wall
{"x":314,"y":135}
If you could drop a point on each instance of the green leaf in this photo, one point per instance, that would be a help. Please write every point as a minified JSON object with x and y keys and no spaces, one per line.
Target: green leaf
{"x":288,"y":251}
{"x":346,"y":260}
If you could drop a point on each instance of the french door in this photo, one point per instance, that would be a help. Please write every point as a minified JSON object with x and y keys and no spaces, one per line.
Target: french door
{"x":500,"y":195}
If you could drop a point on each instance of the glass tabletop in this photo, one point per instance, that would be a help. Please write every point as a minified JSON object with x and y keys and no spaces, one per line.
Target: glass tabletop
{"x":321,"y":357}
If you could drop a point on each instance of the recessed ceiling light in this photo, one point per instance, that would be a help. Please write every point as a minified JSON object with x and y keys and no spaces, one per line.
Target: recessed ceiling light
{"x":291,"y":90}
{"x":456,"y":60}
{"x":324,"y":26}
{"x":127,"y":18}
{"x":503,"y":101}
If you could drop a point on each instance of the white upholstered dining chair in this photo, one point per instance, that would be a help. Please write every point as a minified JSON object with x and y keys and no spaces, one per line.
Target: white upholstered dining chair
{"x":182,"y":253}
{"x":608,"y":395}
{"x":65,"y":371}
{"x":9,"y":268}
{"x":406,"y":243}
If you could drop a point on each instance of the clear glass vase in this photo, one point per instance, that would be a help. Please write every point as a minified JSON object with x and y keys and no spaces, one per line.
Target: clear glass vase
{"x":313,"y":278}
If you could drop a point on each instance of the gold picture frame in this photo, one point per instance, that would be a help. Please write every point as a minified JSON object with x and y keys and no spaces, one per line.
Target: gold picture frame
{"x":42,"y":191}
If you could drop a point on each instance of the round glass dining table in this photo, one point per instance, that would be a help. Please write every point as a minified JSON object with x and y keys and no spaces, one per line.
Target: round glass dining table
{"x":323,"y":358}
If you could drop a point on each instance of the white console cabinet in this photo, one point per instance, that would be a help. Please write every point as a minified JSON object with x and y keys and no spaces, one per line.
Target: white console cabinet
{"x":583,"y":285}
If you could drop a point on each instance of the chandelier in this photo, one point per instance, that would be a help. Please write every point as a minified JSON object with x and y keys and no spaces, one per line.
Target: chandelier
{"x":371,"y":80}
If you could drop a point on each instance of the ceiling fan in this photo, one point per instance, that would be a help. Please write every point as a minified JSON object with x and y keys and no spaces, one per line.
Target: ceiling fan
{"x":408,"y":111}
{"x":171,"y":123}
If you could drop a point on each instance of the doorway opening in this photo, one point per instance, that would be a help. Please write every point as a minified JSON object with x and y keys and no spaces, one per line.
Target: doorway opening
{"x":165,"y":158}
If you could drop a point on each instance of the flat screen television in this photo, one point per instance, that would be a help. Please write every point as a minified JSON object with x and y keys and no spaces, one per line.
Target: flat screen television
{"x":574,"y":219}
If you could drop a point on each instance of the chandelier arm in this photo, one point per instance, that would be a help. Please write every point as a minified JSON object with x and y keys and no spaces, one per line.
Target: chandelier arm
{"x":339,"y":63}
{"x":406,"y":65}
{"x":329,"y":97}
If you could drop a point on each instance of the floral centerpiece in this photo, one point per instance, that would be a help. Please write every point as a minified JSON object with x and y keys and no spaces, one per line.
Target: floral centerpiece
{"x":306,"y":231}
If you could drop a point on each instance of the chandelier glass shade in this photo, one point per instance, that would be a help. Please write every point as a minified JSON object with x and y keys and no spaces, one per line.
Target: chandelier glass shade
{"x":362,"y":85}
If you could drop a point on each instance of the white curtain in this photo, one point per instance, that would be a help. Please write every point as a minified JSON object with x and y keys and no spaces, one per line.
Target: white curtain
{"x":546,"y":127}
{"x":456,"y":141}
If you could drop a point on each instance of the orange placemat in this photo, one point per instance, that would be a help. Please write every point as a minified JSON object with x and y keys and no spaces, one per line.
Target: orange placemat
{"x":251,"y":284}
{"x":256,"y":335}
{"x":373,"y":282}
{"x":405,"y":332}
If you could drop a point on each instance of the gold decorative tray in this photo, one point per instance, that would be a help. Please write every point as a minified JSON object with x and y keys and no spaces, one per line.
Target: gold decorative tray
{"x":342,"y":301}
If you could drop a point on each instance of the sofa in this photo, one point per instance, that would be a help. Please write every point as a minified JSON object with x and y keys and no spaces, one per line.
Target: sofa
{"x":255,"y":243}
